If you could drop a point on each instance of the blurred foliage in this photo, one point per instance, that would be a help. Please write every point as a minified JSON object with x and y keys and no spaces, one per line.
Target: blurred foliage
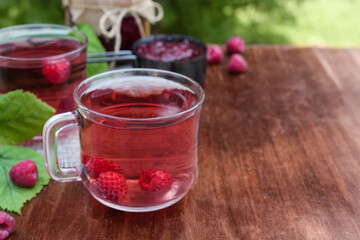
{"x":213,"y":21}
{"x":14,"y":12}
{"x":216,"y":21}
{"x":323,"y":22}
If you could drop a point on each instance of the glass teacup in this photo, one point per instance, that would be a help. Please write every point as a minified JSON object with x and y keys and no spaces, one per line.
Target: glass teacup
{"x":45,"y":59}
{"x":138,"y":135}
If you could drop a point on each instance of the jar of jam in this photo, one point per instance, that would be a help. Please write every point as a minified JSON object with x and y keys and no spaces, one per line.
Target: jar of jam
{"x":135,"y":17}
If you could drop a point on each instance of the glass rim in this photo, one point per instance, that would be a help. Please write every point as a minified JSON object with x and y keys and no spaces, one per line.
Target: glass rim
{"x":138,"y":120}
{"x":44,"y":25}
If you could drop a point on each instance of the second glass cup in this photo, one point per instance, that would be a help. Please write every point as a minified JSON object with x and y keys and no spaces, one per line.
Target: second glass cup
{"x":46,"y":59}
{"x":138,"y":134}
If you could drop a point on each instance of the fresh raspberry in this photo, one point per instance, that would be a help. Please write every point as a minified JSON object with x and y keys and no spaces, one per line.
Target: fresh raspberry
{"x":7,"y":225}
{"x":96,"y":165}
{"x":56,"y":71}
{"x":155,"y":180}
{"x":112,"y":185}
{"x":235,"y":45}
{"x":214,"y":54}
{"x":237,"y":64}
{"x":24,"y":173}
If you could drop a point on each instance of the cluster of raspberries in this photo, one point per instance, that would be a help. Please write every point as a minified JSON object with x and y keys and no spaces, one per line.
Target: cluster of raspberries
{"x":235,"y":46}
{"x":112,"y":184}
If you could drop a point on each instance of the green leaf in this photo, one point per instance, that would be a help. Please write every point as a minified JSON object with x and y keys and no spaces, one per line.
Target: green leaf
{"x":13,"y":197}
{"x":22,"y":116}
{"x":94,"y":46}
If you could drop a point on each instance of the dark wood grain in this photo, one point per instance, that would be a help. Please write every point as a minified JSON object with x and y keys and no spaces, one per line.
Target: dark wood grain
{"x":279,"y":158}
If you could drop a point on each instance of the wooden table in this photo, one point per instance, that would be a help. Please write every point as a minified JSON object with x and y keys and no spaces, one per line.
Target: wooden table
{"x":279,"y":158}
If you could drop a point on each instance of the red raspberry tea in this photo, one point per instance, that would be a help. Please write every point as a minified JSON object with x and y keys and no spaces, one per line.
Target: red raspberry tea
{"x":48,"y":66}
{"x":135,"y":163}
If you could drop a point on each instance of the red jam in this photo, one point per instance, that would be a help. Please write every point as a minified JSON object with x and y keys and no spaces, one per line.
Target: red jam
{"x":170,"y":51}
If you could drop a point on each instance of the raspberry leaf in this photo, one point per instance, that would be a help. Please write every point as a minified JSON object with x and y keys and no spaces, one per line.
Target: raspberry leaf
{"x":94,"y":46}
{"x":22,"y":116}
{"x":13,"y":197}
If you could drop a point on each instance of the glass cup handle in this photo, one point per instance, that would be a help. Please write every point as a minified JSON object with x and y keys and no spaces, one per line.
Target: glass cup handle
{"x":51,"y":130}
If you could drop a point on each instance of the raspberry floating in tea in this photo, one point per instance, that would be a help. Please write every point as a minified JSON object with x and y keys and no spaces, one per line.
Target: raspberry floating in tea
{"x":154,"y":180}
{"x":96,"y":165}
{"x":112,"y":185}
{"x":56,"y":71}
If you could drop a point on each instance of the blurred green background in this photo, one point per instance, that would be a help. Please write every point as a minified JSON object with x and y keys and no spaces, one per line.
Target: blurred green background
{"x":300,"y":22}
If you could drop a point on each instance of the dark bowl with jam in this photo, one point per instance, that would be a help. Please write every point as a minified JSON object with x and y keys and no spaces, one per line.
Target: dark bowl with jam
{"x":177,"y":53}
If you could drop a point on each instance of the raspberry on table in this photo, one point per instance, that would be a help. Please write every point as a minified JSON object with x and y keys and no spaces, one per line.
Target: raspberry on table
{"x":24,"y":173}
{"x":112,"y":185}
{"x":7,"y":225}
{"x":214,"y":54}
{"x":56,"y":71}
{"x":237,"y":64}
{"x":96,"y":165}
{"x":235,"y":45}
{"x":154,"y":180}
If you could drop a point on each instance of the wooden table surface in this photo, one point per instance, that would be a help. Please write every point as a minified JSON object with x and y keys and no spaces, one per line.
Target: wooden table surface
{"x":279,"y":158}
